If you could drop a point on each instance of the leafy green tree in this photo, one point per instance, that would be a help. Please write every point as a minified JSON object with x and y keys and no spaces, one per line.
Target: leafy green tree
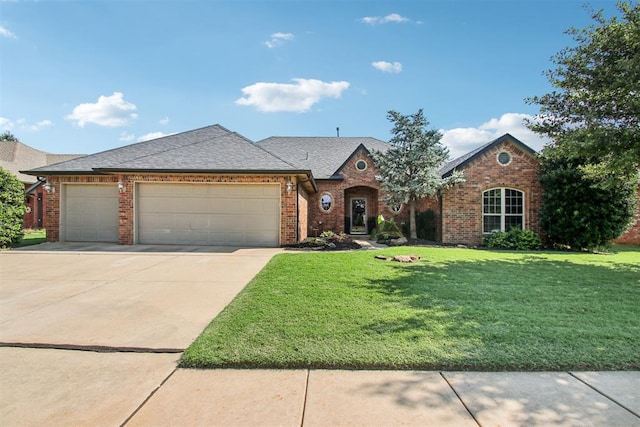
{"x":594,"y":110}
{"x":409,"y":169}
{"x":7,"y":136}
{"x":11,"y":208}
{"x":581,"y":210}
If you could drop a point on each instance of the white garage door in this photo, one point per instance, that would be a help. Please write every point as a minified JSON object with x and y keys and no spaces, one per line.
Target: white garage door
{"x":90,"y":213}
{"x":208,"y":214}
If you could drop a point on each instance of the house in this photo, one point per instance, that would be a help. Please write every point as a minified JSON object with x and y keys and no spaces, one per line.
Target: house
{"x":212,"y":186}
{"x":15,"y":157}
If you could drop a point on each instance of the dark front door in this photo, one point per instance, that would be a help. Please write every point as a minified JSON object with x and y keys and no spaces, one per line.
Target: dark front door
{"x":358,"y":216}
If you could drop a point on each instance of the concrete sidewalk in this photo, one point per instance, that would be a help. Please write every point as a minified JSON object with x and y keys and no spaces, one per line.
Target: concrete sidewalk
{"x":392,"y":398}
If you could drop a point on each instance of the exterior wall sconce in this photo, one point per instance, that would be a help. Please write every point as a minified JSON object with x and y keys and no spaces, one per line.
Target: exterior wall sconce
{"x":49,"y":188}
{"x":121,"y":188}
{"x":289,"y":187}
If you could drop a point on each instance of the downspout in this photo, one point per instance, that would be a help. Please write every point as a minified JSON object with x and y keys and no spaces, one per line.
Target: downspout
{"x":297,"y":211}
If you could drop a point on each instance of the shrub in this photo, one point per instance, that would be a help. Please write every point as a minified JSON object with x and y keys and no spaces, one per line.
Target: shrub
{"x":515,"y":238}
{"x":582,"y":211}
{"x":387,"y":230}
{"x":426,"y":225}
{"x":11,"y":209}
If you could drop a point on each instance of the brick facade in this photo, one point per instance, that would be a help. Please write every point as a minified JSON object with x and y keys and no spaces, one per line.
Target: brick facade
{"x":458,"y":210}
{"x":126,"y":229}
{"x":354,"y":184}
{"x":462,"y":204}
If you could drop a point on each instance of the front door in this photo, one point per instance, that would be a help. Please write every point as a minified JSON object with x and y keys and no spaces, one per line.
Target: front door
{"x":358,"y":216}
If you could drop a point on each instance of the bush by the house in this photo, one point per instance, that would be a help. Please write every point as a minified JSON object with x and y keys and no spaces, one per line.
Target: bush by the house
{"x":426,"y":225}
{"x":515,"y":238}
{"x":580,"y":210}
{"x":11,"y":209}
{"x":387,"y":230}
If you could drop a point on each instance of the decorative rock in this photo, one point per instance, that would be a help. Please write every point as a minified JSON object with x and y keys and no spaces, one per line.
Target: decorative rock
{"x":398,"y":242}
{"x":399,"y":258}
{"x":406,"y":258}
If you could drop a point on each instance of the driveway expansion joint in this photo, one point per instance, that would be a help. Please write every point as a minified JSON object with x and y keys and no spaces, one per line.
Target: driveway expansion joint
{"x":93,"y":348}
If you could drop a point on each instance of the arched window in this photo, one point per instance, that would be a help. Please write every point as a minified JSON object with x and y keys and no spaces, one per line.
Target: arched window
{"x":502,"y":209}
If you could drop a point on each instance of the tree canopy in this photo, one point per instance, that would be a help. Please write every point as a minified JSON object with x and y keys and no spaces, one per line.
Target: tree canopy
{"x":409,"y":170}
{"x":7,"y":136}
{"x":11,"y":208}
{"x":594,"y":110}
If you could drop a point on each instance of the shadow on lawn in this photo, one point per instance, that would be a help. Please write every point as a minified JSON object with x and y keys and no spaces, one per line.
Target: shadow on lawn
{"x":530,"y":313}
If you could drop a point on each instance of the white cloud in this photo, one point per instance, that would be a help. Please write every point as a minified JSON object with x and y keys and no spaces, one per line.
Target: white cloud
{"x":5,"y":124}
{"x":6,"y":33}
{"x":387,"y":67}
{"x":41,"y":124}
{"x":462,"y":140}
{"x":127,"y":137}
{"x":151,"y":135}
{"x":297,"y":97}
{"x":109,"y":111}
{"x":277,"y":39}
{"x":164,"y":121}
{"x":391,"y":18}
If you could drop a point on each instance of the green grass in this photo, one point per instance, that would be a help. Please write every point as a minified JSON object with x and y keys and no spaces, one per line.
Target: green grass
{"x":454,"y":309}
{"x":32,"y":237}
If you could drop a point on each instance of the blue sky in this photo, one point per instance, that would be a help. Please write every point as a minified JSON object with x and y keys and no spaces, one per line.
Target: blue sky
{"x":86,"y":76}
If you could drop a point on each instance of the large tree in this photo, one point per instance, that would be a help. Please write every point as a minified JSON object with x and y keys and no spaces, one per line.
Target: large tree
{"x":594,"y":110}
{"x":409,"y":170}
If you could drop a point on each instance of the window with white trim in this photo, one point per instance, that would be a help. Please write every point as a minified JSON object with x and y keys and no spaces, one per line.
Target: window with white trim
{"x":502,"y":209}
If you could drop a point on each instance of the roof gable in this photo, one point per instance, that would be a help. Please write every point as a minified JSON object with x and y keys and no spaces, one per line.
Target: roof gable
{"x":464,"y":160}
{"x":324,"y":156}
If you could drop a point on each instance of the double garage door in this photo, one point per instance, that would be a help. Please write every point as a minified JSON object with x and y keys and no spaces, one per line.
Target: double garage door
{"x":183,"y":214}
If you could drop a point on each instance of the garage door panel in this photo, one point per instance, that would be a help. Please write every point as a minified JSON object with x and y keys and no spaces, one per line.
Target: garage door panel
{"x":90,"y":212}
{"x":208,"y":214}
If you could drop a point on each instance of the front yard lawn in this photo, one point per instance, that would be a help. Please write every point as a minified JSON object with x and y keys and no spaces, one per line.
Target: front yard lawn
{"x":455,"y":309}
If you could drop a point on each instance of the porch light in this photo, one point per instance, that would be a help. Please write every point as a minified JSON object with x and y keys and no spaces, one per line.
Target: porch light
{"x":121,"y":188}
{"x":49,"y":188}
{"x":289,"y":187}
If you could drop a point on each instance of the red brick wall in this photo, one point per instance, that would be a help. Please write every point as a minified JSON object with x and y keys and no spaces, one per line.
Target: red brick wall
{"x":356,"y":183}
{"x":31,"y":202}
{"x":462,"y":204}
{"x":632,"y":236}
{"x":288,"y":206}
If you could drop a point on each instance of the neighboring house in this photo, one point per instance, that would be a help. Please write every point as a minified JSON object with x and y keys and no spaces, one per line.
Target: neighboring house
{"x":211,"y":186}
{"x":15,"y":157}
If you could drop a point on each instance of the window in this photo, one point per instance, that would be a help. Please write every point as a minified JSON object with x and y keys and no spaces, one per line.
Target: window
{"x":361,"y":165}
{"x":504,"y":158}
{"x":502,"y":209}
{"x":396,"y":208}
{"x":326,"y":201}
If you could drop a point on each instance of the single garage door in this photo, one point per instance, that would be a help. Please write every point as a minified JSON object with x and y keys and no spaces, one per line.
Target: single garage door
{"x":208,"y":214}
{"x":90,"y":213}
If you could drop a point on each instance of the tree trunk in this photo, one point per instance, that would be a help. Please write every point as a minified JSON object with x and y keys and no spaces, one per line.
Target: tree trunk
{"x":413,"y":234}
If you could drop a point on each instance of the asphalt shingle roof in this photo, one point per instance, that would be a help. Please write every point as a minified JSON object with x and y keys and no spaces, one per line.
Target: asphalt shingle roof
{"x":16,"y":156}
{"x":322,"y":155}
{"x":461,"y":161}
{"x":212,"y":148}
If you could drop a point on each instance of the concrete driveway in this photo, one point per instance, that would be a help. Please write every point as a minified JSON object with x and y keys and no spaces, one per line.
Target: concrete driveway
{"x":134,"y":309}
